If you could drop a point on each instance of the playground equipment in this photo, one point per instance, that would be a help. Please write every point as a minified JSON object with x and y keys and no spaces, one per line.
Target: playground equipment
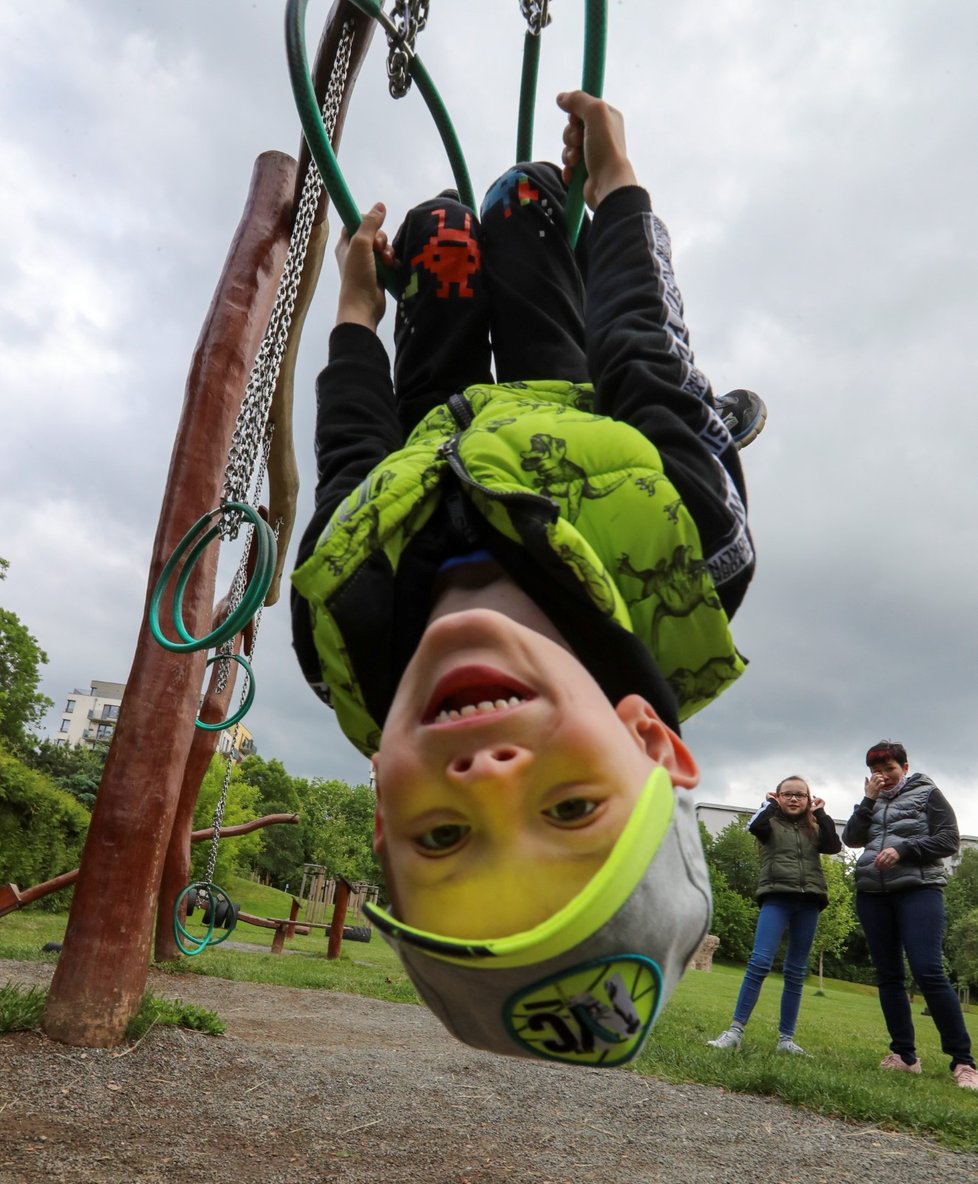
{"x":239,"y":389}
{"x":12,"y":898}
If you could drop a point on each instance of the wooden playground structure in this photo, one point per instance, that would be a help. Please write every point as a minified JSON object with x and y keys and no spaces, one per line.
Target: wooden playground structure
{"x":131,"y":892}
{"x":136,"y":859}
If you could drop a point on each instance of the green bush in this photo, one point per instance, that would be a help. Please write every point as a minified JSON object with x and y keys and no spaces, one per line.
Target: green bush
{"x":734,"y":918}
{"x":42,"y":829}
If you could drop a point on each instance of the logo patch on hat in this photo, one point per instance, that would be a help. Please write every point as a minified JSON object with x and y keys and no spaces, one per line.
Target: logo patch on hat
{"x":598,"y":1013}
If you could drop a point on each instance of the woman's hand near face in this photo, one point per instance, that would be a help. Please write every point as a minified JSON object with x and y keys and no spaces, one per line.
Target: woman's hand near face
{"x":872,"y":785}
{"x":818,"y":804}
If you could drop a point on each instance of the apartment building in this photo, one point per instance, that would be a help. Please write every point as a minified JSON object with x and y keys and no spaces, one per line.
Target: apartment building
{"x":236,"y":742}
{"x":89,"y":718}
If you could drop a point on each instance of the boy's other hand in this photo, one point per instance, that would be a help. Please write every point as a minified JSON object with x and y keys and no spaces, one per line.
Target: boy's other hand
{"x":362,"y":300}
{"x":595,"y":131}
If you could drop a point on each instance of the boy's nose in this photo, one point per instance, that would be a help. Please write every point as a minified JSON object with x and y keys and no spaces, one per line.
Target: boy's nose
{"x":487,"y":763}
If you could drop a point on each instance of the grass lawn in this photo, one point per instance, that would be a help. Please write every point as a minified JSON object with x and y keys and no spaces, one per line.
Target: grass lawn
{"x":842,"y":1029}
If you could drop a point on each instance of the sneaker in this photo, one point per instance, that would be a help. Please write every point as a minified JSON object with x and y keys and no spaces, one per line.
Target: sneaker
{"x":786,"y":1044}
{"x":744,"y":415}
{"x":966,"y":1076}
{"x":728,"y":1039}
{"x":895,"y":1061}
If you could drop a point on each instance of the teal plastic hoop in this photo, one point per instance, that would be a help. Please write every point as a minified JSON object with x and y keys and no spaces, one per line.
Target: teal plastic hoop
{"x":189,"y":943}
{"x":188,"y":552}
{"x":249,"y":698}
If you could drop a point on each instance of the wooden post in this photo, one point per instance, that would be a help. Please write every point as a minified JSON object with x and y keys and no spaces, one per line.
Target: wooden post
{"x":339,"y":919}
{"x":286,"y":930}
{"x":101,"y":974}
{"x":293,"y":913}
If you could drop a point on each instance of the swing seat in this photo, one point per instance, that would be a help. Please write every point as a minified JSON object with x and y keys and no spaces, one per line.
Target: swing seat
{"x":224,"y":911}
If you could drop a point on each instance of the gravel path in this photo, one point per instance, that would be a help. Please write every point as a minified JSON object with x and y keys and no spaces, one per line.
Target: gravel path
{"x":310,"y":1087}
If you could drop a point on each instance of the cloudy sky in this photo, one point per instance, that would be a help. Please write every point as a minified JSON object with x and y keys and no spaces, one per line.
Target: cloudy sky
{"x":817,"y":167}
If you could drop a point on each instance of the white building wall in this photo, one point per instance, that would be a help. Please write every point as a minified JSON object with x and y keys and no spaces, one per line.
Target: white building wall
{"x":89,"y":717}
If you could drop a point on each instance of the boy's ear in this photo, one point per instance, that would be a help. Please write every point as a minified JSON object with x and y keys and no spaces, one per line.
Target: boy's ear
{"x":378,"y":817}
{"x":658,"y":741}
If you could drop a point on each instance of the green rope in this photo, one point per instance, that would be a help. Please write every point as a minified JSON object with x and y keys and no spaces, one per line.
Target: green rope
{"x":528,"y":97}
{"x":592,"y":81}
{"x":310,"y":118}
{"x":318,"y":140}
{"x":436,"y":108}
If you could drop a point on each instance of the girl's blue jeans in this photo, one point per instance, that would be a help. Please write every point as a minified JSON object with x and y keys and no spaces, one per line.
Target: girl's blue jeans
{"x":779,"y":913}
{"x":912,"y":920}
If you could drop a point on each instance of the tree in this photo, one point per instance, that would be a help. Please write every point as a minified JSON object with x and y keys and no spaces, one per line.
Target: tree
{"x":282,"y":852}
{"x":838,"y":919}
{"x":734,"y":852}
{"x":22,"y":706}
{"x":734,"y":918}
{"x":234,"y":856}
{"x":962,"y":946}
{"x":42,"y":829}
{"x":338,"y":824}
{"x":961,"y":893}
{"x":961,"y":907}
{"x":74,"y":768}
{"x":734,"y":867}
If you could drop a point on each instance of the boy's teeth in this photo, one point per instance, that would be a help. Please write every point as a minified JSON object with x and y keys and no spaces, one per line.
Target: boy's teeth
{"x":485,"y":707}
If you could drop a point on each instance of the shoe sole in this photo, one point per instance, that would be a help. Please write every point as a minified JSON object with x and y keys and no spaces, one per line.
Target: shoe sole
{"x":755,"y":429}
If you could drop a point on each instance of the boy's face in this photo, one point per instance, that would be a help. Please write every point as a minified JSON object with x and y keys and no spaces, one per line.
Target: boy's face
{"x":505,"y":776}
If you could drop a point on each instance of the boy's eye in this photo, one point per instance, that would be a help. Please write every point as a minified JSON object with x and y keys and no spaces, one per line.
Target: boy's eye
{"x":442,"y":838}
{"x":571,"y":809}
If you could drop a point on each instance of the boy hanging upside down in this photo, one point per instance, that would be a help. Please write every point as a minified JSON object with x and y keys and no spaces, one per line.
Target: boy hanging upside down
{"x":513,"y":588}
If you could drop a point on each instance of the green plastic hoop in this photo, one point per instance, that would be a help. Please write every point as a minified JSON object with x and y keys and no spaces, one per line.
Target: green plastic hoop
{"x":249,"y":698}
{"x":185,"y":557}
{"x":189,"y":943}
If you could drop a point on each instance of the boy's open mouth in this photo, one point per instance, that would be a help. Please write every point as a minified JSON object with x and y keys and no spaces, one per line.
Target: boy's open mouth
{"x":474,"y":690}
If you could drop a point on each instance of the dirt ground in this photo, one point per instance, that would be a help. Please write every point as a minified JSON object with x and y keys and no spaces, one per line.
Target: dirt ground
{"x":309,"y":1087}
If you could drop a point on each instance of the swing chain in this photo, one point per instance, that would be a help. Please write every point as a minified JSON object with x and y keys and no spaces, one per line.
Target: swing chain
{"x":536,"y":13}
{"x":222,"y":677}
{"x":218,"y":819}
{"x":240,"y":581}
{"x":249,"y":433}
{"x":409,"y":17}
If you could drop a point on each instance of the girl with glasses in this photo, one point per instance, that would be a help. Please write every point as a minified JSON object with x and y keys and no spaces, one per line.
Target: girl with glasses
{"x":793,"y":830}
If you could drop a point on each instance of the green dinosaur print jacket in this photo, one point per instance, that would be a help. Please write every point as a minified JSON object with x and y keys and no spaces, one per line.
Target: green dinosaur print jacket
{"x":582,"y":495}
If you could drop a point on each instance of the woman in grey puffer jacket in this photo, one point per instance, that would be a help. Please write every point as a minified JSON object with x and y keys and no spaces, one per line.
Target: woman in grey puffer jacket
{"x":907,"y":829}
